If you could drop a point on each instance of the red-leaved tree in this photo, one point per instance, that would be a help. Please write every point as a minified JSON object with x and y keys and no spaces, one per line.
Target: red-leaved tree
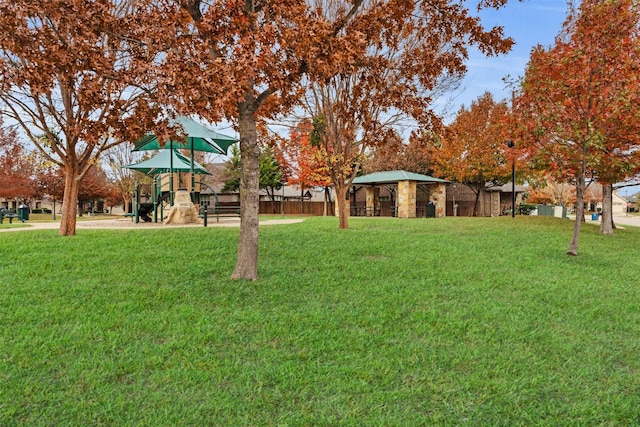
{"x":578,"y":112}
{"x":247,"y":61}
{"x":16,"y":172}
{"x":302,"y":162}
{"x":75,"y":79}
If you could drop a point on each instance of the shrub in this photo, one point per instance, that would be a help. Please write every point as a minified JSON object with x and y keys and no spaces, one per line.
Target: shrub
{"x":526,"y":209}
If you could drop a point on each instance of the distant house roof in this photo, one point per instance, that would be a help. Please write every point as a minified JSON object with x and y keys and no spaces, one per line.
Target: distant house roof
{"x":389,"y":177}
{"x":507,"y":188}
{"x":633,"y":198}
{"x":292,"y":192}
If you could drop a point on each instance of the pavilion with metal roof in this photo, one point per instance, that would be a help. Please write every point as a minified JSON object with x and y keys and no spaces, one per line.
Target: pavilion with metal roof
{"x":407,"y":183}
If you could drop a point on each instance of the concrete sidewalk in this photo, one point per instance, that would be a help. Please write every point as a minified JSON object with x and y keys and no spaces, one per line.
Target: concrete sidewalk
{"x":127,"y":224}
{"x":620,"y":220}
{"x":627,"y":220}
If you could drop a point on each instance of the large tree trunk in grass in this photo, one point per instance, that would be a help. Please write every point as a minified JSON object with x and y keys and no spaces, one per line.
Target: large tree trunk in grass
{"x":580,"y":187}
{"x":247,"y":263}
{"x":606,"y":222}
{"x":342,"y":205}
{"x":69,"y":203}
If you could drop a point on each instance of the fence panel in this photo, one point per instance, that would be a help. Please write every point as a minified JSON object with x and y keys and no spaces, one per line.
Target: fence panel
{"x":294,"y":208}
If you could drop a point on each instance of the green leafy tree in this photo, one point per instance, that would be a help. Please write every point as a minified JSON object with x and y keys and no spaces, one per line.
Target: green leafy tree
{"x":271,"y":175}
{"x":232,"y":170}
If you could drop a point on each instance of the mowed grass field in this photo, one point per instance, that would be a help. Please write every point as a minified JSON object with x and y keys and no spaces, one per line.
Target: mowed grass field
{"x":390,"y":323}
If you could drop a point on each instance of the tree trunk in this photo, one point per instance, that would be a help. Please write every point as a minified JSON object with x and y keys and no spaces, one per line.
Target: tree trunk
{"x":247,"y":263}
{"x":324,"y":206}
{"x":69,"y":203}
{"x":342,"y":205}
{"x":580,"y":187}
{"x":606,"y":222}
{"x":475,"y":204}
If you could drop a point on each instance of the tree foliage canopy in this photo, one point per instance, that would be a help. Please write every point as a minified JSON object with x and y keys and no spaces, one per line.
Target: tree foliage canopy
{"x":578,"y":112}
{"x":472,"y":149}
{"x":73,"y":80}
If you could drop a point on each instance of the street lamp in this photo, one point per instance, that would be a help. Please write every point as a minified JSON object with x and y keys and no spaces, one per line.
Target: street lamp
{"x":510,"y":144}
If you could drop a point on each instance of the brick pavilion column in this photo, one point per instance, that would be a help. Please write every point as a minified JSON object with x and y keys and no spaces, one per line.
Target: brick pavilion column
{"x":376,"y":201}
{"x":407,"y":199}
{"x":438,"y":196}
{"x":373,"y":202}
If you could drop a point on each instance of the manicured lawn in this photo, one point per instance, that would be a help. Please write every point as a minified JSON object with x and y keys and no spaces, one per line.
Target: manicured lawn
{"x":48,"y":217}
{"x":391,"y":323}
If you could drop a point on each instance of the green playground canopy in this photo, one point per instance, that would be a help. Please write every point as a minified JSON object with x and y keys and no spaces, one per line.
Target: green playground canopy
{"x":197,"y":138}
{"x":167,"y":161}
{"x":390,"y":177}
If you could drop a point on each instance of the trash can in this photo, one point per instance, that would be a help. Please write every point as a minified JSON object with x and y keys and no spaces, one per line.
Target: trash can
{"x":431,"y":210}
{"x":23,"y":213}
{"x":594,"y":216}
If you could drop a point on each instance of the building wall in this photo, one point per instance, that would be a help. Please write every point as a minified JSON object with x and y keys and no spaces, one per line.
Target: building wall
{"x":490,"y":203}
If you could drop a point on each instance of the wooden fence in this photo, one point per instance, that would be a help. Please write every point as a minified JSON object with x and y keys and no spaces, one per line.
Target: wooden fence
{"x":295,"y":208}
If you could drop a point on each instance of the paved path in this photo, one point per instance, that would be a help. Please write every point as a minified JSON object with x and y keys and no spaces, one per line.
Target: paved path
{"x":627,"y":220}
{"x":127,"y":224}
{"x":621,"y":220}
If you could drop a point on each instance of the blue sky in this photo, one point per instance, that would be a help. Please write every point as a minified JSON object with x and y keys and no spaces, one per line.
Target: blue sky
{"x":529,"y":23}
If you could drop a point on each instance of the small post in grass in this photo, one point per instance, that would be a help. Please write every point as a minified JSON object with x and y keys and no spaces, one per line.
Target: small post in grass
{"x":510,"y":144}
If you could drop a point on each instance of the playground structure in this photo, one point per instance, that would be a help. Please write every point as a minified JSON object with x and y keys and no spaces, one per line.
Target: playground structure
{"x":204,"y":196}
{"x":168,"y":169}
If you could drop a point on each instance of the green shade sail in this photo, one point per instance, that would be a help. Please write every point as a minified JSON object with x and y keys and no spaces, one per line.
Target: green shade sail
{"x":167,"y":161}
{"x":389,"y":177}
{"x":198,"y":138}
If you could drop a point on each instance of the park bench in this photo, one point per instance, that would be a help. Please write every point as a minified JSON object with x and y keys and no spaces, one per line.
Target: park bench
{"x":218,"y":210}
{"x":8,"y":213}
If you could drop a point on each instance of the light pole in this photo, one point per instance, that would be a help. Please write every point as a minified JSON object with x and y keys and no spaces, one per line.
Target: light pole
{"x":510,"y":144}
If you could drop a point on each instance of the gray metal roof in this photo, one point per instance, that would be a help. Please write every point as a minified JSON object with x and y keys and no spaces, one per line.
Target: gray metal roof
{"x":507,"y":188}
{"x":394,"y":176}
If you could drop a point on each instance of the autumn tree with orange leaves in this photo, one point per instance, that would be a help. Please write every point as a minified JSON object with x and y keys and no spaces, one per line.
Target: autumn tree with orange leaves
{"x":24,"y":175}
{"x":405,"y":52}
{"x":552,"y":193}
{"x":16,"y":173}
{"x":301,"y":161}
{"x":472,"y":150}
{"x":72,"y":80}
{"x":578,"y":111}
{"x":244,"y":61}
{"x":249,"y":60}
{"x":94,"y":188}
{"x":395,"y":154}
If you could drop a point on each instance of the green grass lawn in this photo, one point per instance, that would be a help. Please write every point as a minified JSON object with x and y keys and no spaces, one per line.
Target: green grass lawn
{"x":48,"y":217}
{"x":390,"y":323}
